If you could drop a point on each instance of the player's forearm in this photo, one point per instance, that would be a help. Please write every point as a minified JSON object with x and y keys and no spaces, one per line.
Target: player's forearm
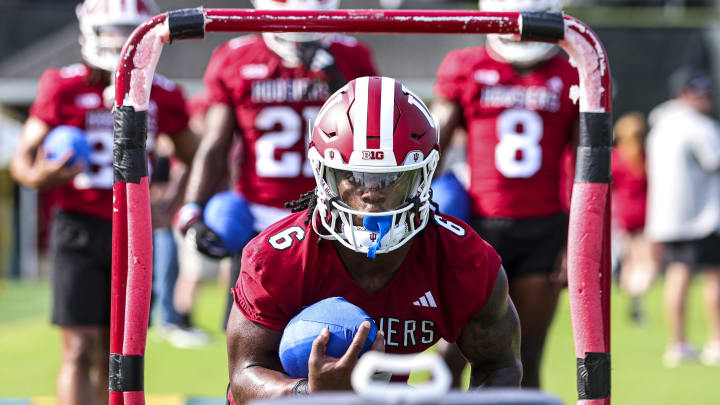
{"x":20,"y":169}
{"x":208,"y":170}
{"x":508,"y":375}
{"x":257,"y":382}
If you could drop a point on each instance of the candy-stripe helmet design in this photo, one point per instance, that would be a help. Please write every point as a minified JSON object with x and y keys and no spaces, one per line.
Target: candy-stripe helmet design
{"x":373,"y":132}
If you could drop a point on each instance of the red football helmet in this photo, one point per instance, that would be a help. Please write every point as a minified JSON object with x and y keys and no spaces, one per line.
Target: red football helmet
{"x":105,"y":26}
{"x":286,"y":44}
{"x":373,"y":133}
{"x":519,"y":53}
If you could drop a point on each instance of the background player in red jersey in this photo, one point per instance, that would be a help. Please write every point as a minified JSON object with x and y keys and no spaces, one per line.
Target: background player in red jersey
{"x":81,"y":236}
{"x":366,"y":233}
{"x":266,"y":89}
{"x":513,"y":99}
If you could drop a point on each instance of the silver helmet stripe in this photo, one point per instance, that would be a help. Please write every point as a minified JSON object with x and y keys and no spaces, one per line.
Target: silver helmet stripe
{"x":360,"y":115}
{"x":387,"y":113}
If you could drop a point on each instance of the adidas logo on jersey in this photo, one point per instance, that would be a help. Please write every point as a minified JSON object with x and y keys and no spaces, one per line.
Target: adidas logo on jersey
{"x":426,"y":300}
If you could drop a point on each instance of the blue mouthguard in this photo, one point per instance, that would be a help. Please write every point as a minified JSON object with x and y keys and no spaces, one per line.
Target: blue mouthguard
{"x":381,"y":225}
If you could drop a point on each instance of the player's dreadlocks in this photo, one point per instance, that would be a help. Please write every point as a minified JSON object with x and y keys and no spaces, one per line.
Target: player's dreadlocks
{"x":308,"y":201}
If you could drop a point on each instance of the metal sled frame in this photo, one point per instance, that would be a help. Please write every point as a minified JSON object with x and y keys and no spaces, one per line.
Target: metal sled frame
{"x":589,"y":231}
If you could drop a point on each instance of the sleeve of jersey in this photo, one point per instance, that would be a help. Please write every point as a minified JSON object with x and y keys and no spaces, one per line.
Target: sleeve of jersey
{"x":449,"y":82}
{"x":215,"y":86}
{"x":471,"y":280}
{"x":477,"y":278}
{"x":367,"y":66}
{"x":47,"y":103}
{"x":263,"y":291}
{"x":172,"y":112}
{"x":492,"y":268}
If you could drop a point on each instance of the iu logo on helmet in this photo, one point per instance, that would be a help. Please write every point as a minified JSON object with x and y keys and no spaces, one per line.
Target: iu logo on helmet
{"x":332,"y":154}
{"x":416,"y":156}
{"x":373,"y":236}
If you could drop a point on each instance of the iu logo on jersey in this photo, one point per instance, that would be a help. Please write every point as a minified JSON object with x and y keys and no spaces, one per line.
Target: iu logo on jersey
{"x":373,"y":236}
{"x":373,"y":155}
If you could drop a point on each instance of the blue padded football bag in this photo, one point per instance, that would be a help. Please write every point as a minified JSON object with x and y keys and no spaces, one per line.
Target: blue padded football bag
{"x":342,"y":320}
{"x":228,"y":215}
{"x":66,"y":139}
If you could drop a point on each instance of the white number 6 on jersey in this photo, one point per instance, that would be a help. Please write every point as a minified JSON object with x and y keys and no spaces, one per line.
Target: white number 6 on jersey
{"x":450,"y":226}
{"x":285,"y":238}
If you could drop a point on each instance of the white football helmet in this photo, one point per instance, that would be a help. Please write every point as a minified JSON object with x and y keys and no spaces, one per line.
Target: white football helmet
{"x":285,"y":44}
{"x":105,"y":26}
{"x":522,"y":54}
{"x":374,"y":150}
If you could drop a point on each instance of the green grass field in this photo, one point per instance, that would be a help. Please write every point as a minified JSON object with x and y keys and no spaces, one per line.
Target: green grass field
{"x":29,"y":353}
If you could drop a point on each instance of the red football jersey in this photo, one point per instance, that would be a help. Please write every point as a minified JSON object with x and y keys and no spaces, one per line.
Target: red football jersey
{"x":67,"y":97}
{"x":273,"y":105}
{"x":518,"y":126}
{"x":448,"y":274}
{"x":629,"y":193}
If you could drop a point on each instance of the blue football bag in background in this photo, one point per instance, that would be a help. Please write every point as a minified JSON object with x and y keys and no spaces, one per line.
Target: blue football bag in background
{"x":228,"y":215}
{"x":342,"y":320}
{"x":66,"y":139}
{"x":451,"y":196}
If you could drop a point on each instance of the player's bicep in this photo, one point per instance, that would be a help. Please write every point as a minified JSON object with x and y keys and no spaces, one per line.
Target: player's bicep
{"x":250,"y":344}
{"x":253,"y":362}
{"x":219,"y":125}
{"x":491,"y":339}
{"x":448,"y":114}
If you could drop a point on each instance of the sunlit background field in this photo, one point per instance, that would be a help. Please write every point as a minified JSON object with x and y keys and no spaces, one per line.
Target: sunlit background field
{"x":29,"y":354}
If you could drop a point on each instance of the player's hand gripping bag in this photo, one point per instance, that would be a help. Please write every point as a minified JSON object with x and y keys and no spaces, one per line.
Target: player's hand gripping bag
{"x":342,"y":319}
{"x":65,"y":139}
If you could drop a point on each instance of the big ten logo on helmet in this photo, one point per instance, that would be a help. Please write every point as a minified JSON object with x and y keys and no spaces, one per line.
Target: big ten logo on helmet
{"x":373,"y":155}
{"x":407,"y":332}
{"x":289,"y":90}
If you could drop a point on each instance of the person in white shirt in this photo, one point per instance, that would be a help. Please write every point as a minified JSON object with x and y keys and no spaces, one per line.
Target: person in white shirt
{"x":683,"y":154}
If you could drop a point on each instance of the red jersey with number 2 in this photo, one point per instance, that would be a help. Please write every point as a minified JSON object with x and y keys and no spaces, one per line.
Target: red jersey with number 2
{"x":273,"y":104}
{"x":67,"y":97}
{"x":448,"y":274}
{"x":518,"y":126}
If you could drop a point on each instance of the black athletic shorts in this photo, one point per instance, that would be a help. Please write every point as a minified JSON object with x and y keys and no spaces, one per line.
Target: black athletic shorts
{"x":696,"y":253}
{"x":526,"y":246}
{"x":81,"y":247}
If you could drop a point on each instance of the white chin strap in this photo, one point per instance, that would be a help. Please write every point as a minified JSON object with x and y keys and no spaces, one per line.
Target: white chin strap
{"x":521,"y":54}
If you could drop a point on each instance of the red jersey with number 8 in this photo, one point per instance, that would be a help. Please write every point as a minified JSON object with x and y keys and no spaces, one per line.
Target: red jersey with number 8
{"x":273,"y":104}
{"x":67,"y":96}
{"x":447,"y":275}
{"x":518,"y":126}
